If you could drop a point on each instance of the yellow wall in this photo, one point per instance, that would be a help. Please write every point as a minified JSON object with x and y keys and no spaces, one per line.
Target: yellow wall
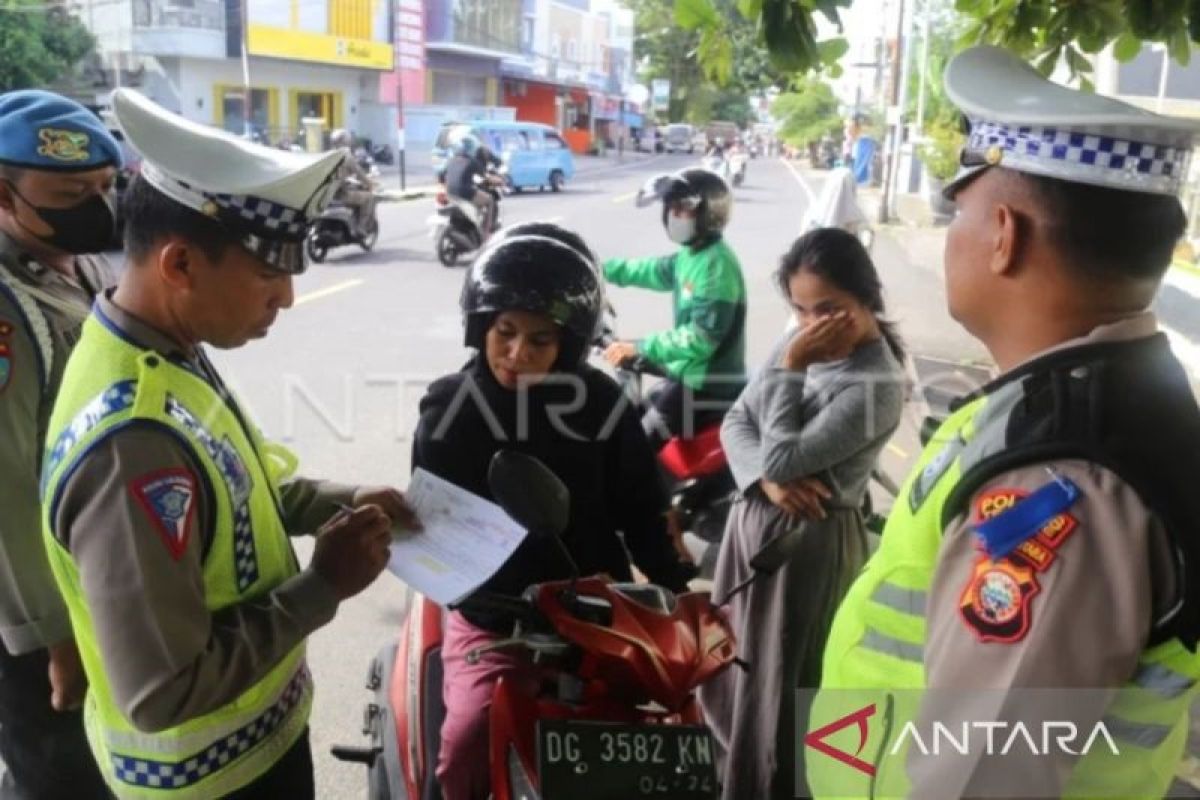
{"x":350,"y":18}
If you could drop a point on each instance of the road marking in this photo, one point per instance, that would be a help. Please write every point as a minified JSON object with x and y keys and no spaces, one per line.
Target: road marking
{"x":623,"y":197}
{"x":803,"y":183}
{"x":328,"y":290}
{"x":896,"y":450}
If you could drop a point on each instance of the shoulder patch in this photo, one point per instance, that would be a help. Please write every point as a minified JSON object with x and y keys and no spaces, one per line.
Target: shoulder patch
{"x":1040,"y":514}
{"x":1040,"y":548}
{"x":168,"y":496}
{"x":997,"y":604}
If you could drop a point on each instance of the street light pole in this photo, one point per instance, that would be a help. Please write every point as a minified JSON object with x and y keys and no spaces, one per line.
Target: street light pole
{"x":400,"y":121}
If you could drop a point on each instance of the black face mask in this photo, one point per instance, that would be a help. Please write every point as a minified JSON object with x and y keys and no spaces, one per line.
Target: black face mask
{"x":88,"y":227}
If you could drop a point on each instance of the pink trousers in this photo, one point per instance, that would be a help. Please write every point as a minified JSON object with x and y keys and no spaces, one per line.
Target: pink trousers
{"x":463,"y":768}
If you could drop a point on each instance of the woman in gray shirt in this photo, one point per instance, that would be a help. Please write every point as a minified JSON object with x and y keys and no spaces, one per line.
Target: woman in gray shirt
{"x":801,"y":441}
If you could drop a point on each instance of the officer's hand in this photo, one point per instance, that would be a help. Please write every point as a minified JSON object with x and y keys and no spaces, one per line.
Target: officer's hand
{"x":68,"y":681}
{"x":352,"y":549}
{"x":391,"y":501}
{"x":827,"y":338}
{"x":801,"y":498}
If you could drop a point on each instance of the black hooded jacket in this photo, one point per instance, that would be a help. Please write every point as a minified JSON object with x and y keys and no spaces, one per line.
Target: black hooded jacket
{"x":589,"y":435}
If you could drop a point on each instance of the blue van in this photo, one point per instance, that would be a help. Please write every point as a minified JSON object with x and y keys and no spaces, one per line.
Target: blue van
{"x":535,"y":154}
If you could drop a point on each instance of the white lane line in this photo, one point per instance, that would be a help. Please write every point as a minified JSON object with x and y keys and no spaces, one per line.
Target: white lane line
{"x":328,"y":290}
{"x":799,"y":177}
{"x":621,"y":198}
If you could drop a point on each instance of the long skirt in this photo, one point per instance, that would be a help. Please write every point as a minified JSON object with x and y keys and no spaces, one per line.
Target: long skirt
{"x":781,"y":622}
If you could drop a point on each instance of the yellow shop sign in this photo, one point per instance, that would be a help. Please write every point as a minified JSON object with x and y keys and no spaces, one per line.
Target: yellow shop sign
{"x":304,"y":46}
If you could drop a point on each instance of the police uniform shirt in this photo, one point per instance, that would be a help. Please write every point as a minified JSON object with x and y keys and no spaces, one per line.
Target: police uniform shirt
{"x":1111,"y":571}
{"x":169,"y":659}
{"x":34,"y":347}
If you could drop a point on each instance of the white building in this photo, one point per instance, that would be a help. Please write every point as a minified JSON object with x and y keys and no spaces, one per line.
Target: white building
{"x":309,"y":59}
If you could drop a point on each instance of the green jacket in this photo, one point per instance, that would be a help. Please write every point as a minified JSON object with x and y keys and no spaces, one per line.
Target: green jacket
{"x":706,"y":349}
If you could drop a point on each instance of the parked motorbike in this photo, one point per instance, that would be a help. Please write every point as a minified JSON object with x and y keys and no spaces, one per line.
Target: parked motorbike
{"x":615,"y":715}
{"x":701,"y":485}
{"x":456,"y":227}
{"x":335,"y":227}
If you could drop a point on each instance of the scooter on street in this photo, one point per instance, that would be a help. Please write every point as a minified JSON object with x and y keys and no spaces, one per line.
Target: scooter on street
{"x":615,"y":714}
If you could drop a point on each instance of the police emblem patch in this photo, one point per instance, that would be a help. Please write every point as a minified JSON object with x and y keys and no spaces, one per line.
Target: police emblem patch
{"x":66,"y":146}
{"x":997,"y":602}
{"x":168,"y":497}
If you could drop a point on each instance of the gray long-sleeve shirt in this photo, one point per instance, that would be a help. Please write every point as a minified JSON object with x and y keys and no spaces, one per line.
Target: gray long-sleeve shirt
{"x":829,"y":422}
{"x":37,"y":333}
{"x":168,"y":658}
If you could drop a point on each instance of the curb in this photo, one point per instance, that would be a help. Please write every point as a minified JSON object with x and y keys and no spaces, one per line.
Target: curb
{"x":403,"y":195}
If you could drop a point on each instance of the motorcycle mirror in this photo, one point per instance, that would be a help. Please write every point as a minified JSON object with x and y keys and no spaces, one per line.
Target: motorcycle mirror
{"x":767,"y":561}
{"x":530,"y":493}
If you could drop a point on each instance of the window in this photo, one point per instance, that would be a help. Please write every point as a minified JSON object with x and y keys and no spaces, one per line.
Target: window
{"x":555,"y":142}
{"x":555,"y":46}
{"x":572,"y":50}
{"x":532,"y":140}
{"x":512,"y":140}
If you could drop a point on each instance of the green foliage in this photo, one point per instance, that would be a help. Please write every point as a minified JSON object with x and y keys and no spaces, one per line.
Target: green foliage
{"x":39,"y":45}
{"x":715,"y":35}
{"x":1046,"y":32}
{"x":807,"y":113}
{"x":940,"y":154}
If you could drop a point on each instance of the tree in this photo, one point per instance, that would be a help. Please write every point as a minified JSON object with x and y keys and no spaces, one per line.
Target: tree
{"x":668,"y":50}
{"x":1046,"y":32}
{"x":807,"y":113}
{"x":39,"y":45}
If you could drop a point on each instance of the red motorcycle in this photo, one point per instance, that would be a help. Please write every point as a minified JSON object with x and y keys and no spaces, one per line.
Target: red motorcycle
{"x":615,"y":715}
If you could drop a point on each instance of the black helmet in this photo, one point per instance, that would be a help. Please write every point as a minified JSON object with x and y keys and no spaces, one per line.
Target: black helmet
{"x":701,"y":189}
{"x":538,"y":274}
{"x":550,"y":230}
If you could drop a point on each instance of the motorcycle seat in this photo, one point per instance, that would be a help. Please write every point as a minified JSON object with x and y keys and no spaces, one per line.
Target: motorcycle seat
{"x":697,"y":457}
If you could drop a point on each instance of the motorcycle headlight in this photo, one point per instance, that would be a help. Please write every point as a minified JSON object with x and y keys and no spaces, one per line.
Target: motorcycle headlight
{"x":520,"y":785}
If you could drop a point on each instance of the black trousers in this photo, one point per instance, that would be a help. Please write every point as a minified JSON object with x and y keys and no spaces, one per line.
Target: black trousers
{"x":45,"y":752}
{"x":291,"y":777}
{"x":675,"y":409}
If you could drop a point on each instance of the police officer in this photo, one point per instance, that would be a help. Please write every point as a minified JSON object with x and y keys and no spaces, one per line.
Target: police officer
{"x":166,"y":514}
{"x":57,"y":167}
{"x":1047,"y":540}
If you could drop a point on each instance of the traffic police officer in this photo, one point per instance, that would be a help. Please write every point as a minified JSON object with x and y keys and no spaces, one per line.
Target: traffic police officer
{"x":166,"y":513}
{"x":1038,"y":569}
{"x":57,"y":167}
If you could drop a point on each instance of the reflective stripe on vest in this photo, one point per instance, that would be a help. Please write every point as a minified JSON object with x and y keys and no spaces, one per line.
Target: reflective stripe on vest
{"x":1165,"y":682}
{"x":237,"y":480}
{"x":891,"y":646}
{"x":1146,"y":735}
{"x":897,"y":598}
{"x":183,"y":772}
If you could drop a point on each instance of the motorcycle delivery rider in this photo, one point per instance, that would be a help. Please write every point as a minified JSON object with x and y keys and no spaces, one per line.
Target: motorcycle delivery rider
{"x":703,"y":358}
{"x":354,"y":184}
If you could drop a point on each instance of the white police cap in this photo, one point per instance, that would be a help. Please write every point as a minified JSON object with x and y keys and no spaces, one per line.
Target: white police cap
{"x":267,"y":198}
{"x":1021,"y":121}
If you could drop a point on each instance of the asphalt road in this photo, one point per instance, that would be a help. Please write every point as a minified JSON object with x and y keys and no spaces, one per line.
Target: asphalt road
{"x":339,"y":377}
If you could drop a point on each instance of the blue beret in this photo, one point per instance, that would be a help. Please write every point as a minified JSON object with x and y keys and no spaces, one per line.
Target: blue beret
{"x":43,"y":130}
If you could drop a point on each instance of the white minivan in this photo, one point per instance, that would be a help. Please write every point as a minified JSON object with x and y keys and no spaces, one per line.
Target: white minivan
{"x":677,"y":138}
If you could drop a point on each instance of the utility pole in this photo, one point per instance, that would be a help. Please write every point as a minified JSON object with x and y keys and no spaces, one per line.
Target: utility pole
{"x":246,"y":92}
{"x":400,"y":121}
{"x":891,"y":155}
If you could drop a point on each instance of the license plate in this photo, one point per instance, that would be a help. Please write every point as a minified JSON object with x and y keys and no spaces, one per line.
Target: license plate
{"x":602,"y":761}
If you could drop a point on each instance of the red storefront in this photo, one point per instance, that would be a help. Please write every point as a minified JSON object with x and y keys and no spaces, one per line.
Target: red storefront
{"x":534,"y":102}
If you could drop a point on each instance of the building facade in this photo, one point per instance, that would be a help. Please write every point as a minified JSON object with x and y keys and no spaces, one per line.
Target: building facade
{"x":305,"y":60}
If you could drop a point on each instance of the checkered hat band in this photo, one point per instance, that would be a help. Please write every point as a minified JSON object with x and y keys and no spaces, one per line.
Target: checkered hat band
{"x":1083,"y":157}
{"x":194,"y":768}
{"x":263,"y":218}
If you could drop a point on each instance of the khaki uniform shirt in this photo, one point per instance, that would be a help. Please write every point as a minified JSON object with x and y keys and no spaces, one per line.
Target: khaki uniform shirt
{"x":37,"y":333}
{"x":168,"y":657}
{"x":1085,"y":626}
